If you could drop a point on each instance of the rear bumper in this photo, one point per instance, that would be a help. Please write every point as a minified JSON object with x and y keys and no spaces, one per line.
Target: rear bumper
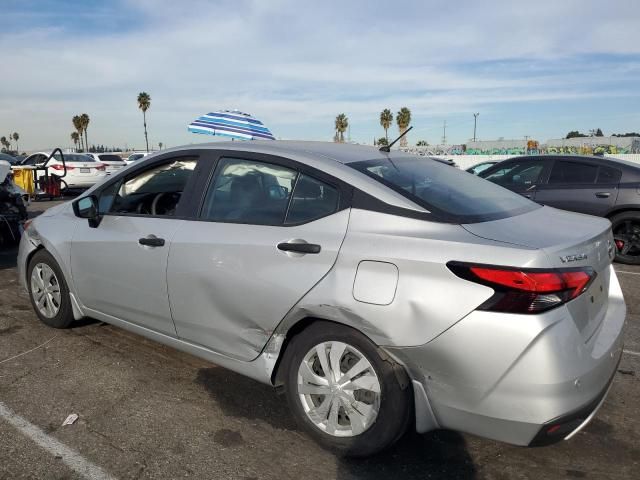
{"x":511,"y":377}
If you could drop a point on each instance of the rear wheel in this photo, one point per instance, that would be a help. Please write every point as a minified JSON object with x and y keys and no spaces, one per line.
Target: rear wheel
{"x":48,"y":291}
{"x":626,"y":235}
{"x":344,"y":391}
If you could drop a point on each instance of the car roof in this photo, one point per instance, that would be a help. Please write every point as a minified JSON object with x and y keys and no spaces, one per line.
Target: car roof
{"x":338,"y":152}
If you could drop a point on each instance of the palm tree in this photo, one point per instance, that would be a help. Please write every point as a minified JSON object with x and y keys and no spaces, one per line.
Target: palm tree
{"x":3,"y":141}
{"x":76,"y":138}
{"x":77,"y":124}
{"x":160,"y":145}
{"x":144,"y":102}
{"x":84,"y":122}
{"x":403,"y":118}
{"x":16,"y":137}
{"x":342,"y":123}
{"x":386,"y":120}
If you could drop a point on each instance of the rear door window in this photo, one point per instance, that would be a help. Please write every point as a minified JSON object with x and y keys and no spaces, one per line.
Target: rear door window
{"x":249,"y":191}
{"x":312,"y":199}
{"x":608,"y":176}
{"x":517,"y":174}
{"x":572,"y":173}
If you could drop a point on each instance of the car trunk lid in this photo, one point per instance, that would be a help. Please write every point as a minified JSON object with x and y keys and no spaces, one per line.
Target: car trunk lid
{"x":569,"y":240}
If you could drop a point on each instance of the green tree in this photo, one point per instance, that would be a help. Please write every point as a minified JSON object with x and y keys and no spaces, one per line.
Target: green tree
{"x":422,"y":143}
{"x":76,"y":138}
{"x":628,"y":134}
{"x":341,"y":123}
{"x":16,"y":137}
{"x":575,"y":134}
{"x":84,"y":122}
{"x":403,"y":119}
{"x":382,"y":141}
{"x":386,"y":120}
{"x":77,"y":124}
{"x":5,"y":144}
{"x":144,"y":103}
{"x":599,"y":133}
{"x":160,"y":145}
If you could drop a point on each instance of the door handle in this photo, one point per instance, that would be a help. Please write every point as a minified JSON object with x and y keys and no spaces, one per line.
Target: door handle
{"x":603,"y":194}
{"x":151,"y":241}
{"x":299,"y":247}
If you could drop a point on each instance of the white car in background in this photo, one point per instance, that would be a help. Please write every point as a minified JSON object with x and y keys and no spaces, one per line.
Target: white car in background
{"x":82,"y":170}
{"x":136,"y":156}
{"x":112,"y":162}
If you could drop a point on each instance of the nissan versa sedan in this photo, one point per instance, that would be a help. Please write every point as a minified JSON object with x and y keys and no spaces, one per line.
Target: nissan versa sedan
{"x":380,"y":291}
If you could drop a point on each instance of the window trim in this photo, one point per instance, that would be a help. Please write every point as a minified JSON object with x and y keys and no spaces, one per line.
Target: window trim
{"x":345,"y":191}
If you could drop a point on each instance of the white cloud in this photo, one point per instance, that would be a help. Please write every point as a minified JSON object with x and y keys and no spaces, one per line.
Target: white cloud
{"x":297,"y":64}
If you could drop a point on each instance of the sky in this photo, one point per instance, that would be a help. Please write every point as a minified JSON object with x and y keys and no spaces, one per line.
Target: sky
{"x":537,"y":69}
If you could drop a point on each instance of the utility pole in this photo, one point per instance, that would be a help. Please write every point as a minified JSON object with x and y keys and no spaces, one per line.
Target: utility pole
{"x":526,"y":144}
{"x":475,"y":123}
{"x":444,"y":133}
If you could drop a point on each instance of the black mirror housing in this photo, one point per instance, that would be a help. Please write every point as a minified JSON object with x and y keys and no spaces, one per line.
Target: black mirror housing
{"x":87,"y":207}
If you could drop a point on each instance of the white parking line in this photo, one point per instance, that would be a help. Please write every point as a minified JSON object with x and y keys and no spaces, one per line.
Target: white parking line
{"x":70,"y":457}
{"x":628,"y":273}
{"x":637,"y":354}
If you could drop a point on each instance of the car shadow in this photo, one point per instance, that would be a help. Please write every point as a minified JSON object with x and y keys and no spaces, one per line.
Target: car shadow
{"x":436,"y":455}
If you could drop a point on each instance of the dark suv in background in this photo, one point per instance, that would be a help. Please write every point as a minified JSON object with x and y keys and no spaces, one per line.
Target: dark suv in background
{"x":599,"y":186}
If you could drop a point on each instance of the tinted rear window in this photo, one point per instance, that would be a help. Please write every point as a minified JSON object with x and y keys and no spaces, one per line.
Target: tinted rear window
{"x":110,"y":158}
{"x":608,"y":175}
{"x":74,"y":157}
{"x":449,"y":193}
{"x":565,"y":172}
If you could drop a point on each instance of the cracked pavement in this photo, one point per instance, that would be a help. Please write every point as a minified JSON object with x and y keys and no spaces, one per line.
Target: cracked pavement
{"x":148,"y":411}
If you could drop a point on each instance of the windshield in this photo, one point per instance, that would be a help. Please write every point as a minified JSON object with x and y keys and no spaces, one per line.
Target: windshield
{"x":74,"y":157}
{"x":450,"y":194}
{"x":110,"y":158}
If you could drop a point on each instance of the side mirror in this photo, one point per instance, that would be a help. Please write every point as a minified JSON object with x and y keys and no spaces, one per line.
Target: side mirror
{"x":87,"y":207}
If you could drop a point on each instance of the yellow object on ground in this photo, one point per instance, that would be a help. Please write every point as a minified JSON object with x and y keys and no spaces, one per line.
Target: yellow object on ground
{"x":23,"y":177}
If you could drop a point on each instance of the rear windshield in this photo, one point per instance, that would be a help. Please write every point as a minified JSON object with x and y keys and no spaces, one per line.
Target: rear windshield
{"x":74,"y":157}
{"x":451,"y":194}
{"x":110,"y":158}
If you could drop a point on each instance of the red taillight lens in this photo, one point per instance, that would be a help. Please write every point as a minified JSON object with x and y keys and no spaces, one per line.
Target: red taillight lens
{"x":101,"y":167}
{"x":59,"y":167}
{"x":526,"y":290}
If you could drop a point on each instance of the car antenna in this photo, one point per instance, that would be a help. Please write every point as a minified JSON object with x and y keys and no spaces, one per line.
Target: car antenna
{"x":387,"y":148}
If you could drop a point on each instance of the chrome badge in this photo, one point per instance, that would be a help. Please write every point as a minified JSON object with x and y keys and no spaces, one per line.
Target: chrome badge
{"x":573,"y":258}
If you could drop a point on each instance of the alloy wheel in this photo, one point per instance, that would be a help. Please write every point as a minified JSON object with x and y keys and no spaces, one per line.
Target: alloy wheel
{"x":339,"y":389}
{"x":626,"y":236}
{"x":45,"y":290}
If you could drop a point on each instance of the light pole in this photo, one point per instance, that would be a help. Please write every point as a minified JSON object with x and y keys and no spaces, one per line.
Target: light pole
{"x":475,"y":123}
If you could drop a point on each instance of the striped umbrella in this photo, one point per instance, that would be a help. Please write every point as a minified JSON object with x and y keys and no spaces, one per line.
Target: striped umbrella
{"x":231,"y":123}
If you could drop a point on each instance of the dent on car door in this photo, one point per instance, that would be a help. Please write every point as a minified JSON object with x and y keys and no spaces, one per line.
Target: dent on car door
{"x":584,"y":187}
{"x":266,"y":235}
{"x":119,"y":267}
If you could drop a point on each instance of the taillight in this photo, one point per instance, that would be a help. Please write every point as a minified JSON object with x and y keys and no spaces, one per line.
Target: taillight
{"x":101,"y":167}
{"x":59,"y":167}
{"x":520,"y":290}
{"x":27,"y":224}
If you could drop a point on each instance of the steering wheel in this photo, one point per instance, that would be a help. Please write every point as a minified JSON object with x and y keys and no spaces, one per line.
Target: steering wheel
{"x":164,"y":209}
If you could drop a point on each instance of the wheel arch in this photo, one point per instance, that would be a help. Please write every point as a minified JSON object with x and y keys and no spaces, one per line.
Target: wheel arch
{"x":622,"y":209}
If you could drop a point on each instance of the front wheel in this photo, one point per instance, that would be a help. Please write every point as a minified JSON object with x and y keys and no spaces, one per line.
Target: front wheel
{"x":48,"y":291}
{"x":344,"y":391}
{"x":626,"y":235}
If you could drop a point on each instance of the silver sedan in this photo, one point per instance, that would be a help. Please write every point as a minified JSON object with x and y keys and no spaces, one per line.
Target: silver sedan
{"x":376,"y":289}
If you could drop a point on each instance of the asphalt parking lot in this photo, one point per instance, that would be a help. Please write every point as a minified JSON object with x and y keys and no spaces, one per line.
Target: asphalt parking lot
{"x":148,"y":411}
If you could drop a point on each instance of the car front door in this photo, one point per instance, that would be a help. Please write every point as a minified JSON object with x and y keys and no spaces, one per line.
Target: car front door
{"x":267,"y":232}
{"x":580,"y":186}
{"x":119,"y":267}
{"x":520,"y":175}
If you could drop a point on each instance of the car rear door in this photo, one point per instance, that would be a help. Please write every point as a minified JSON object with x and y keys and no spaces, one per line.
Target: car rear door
{"x":119,"y":267}
{"x":268,"y":230}
{"x":521,"y":175}
{"x":580,"y":186}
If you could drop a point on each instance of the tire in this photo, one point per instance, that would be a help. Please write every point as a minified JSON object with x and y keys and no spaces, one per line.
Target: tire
{"x":626,"y":233}
{"x":56,"y":311}
{"x":350,"y":431}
